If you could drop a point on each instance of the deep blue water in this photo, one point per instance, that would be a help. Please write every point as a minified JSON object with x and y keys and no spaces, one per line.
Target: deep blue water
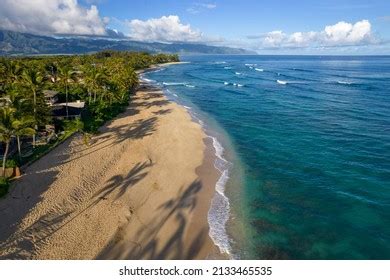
{"x":313,"y":137}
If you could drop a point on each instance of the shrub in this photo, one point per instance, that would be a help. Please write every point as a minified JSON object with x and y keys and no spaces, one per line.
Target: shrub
{"x":11,"y":163}
{"x":4,"y":185}
{"x":73,"y":125}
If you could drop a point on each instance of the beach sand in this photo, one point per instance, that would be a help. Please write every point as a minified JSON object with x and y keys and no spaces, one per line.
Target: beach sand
{"x":140,"y":190}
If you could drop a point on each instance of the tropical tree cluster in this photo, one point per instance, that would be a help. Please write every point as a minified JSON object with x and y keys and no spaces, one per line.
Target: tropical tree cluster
{"x":104,"y":80}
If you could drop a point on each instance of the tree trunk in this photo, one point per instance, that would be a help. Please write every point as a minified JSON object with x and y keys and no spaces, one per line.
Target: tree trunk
{"x":35,"y":102}
{"x":5,"y":157}
{"x":19,"y":150}
{"x":35,"y":115}
{"x":66,"y":93}
{"x":89,"y":96}
{"x":34,"y":137}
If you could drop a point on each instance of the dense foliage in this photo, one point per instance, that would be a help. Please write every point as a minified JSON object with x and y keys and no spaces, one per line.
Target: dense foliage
{"x":104,"y":80}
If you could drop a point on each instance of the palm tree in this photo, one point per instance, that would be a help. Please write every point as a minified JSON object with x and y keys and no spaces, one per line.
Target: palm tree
{"x":6,"y":130}
{"x":23,"y":127}
{"x":11,"y":126}
{"x":67,"y":76}
{"x":13,"y":71}
{"x":33,"y":80}
{"x":126,"y":79}
{"x":94,"y":79}
{"x":19,"y":102}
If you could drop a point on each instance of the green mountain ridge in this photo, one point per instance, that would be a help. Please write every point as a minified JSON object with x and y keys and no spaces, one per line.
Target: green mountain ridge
{"x":15,"y":43}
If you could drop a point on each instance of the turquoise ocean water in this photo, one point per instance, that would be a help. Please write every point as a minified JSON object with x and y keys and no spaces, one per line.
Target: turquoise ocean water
{"x":303,"y":146}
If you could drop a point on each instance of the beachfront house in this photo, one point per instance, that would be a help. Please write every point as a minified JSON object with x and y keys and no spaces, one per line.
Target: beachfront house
{"x":75,"y":110}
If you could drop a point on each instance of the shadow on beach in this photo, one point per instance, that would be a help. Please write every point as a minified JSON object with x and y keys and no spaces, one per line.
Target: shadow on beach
{"x":22,"y":244}
{"x":169,"y":216}
{"x":27,"y":192}
{"x":24,"y":194}
{"x":112,"y":135}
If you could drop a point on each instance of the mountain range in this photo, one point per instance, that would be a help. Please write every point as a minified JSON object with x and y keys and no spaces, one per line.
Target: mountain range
{"x":15,"y":43}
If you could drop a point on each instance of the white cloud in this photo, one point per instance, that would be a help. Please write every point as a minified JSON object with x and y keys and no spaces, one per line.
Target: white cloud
{"x":198,"y":7}
{"x":208,"y":6}
{"x":164,"y":29}
{"x":339,"y":34}
{"x":274,"y":38}
{"x":51,"y":17}
{"x":347,"y":33}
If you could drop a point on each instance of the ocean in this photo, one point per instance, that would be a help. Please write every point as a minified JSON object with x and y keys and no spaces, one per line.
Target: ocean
{"x":303,"y":147}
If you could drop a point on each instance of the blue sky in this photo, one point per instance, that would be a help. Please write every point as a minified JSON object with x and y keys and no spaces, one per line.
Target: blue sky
{"x":334,"y":27}
{"x":231,"y":18}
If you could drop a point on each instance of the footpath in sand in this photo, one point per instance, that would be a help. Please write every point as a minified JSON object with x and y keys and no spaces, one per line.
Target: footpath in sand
{"x":133,"y":193}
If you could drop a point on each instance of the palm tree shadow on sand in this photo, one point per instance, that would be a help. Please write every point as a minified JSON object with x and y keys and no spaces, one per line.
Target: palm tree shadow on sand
{"x":148,"y":244}
{"x":23,"y":243}
{"x":123,"y":183}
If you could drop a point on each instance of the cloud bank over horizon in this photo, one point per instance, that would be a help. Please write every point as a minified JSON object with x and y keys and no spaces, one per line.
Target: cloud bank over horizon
{"x":337,"y":35}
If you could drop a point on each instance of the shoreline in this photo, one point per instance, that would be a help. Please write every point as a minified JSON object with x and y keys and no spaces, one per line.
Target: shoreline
{"x":218,"y":214}
{"x":62,"y":210}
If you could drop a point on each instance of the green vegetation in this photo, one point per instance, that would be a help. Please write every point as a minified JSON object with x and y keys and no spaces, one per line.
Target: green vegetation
{"x":104,"y":81}
{"x":4,"y":185}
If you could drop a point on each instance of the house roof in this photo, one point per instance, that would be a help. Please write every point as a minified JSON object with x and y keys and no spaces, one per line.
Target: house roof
{"x":50,"y":93}
{"x":77,"y":104}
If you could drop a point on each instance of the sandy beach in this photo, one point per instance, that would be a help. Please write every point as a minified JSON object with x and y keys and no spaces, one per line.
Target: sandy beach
{"x":140,"y":190}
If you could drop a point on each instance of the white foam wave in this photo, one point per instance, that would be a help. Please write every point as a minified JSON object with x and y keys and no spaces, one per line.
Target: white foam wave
{"x":281,"y":82}
{"x":147,"y":80}
{"x":250,"y":64}
{"x":157,"y":70}
{"x":238,"y":73}
{"x":219,"y":212}
{"x":227,"y":67}
{"x":190,"y":86}
{"x":233,"y":84}
{"x":259,"y":70}
{"x":174,"y":84}
{"x":344,"y":82}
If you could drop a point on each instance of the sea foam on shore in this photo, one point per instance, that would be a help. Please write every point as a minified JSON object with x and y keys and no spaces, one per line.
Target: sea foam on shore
{"x":219,"y":211}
